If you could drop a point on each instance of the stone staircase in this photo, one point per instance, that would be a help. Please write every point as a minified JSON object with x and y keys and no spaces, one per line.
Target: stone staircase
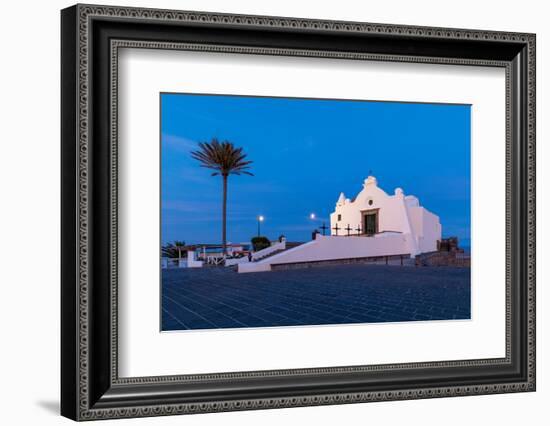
{"x":273,"y":253}
{"x":288,"y":246}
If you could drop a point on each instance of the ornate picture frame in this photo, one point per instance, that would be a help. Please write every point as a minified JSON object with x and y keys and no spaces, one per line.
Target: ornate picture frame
{"x":90,"y":39}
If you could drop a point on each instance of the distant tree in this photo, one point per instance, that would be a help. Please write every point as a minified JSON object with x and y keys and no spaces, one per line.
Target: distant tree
{"x":225,"y":159}
{"x":173,"y":250}
{"x":259,"y":243}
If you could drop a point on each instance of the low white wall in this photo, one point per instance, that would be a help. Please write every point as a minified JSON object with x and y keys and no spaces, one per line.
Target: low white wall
{"x":232,"y":262}
{"x":334,"y":248}
{"x":254,"y":267}
{"x":191,"y":260}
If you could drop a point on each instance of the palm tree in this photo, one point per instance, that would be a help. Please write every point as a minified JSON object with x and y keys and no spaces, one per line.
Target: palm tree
{"x":226,"y":159}
{"x":173,"y":250}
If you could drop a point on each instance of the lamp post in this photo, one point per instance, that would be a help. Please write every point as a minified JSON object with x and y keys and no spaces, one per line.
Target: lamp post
{"x":260,"y":220}
{"x":315,"y":231}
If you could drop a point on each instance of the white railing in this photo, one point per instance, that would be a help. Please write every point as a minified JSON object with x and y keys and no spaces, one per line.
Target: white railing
{"x":215,"y":260}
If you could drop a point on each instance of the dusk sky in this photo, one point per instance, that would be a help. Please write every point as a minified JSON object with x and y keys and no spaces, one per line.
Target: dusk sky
{"x":304,"y":153}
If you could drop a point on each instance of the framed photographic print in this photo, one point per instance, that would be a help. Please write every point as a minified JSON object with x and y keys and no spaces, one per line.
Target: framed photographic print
{"x":263,"y":212}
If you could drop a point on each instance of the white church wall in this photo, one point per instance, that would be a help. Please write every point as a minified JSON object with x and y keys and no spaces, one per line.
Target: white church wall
{"x":426,"y":228}
{"x":415,"y":216}
{"x":432,"y":231}
{"x":393,"y":216}
{"x":411,"y":201}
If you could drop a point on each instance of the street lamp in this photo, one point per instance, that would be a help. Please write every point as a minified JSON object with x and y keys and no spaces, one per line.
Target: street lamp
{"x":313,"y":216}
{"x":260,"y":220}
{"x":315,"y":231}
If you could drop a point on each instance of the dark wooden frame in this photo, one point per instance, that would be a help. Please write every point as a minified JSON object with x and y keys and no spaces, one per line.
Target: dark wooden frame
{"x":90,"y":386}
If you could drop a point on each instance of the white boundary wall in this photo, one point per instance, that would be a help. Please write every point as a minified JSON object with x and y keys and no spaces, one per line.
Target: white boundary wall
{"x":334,"y":248}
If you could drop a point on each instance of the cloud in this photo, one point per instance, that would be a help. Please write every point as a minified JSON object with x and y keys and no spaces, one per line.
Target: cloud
{"x":178,"y":143}
{"x":206,"y":208}
{"x":293,"y":228}
{"x":250,"y":184}
{"x":196,"y":174}
{"x":189,"y":206}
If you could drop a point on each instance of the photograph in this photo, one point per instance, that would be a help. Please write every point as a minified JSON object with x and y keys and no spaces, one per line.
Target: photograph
{"x":282,"y":211}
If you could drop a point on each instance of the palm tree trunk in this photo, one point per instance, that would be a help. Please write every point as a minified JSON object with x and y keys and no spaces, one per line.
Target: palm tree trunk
{"x":224,"y":216}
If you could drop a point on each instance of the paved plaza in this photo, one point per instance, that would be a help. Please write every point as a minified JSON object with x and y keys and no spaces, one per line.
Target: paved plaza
{"x":217,"y":297}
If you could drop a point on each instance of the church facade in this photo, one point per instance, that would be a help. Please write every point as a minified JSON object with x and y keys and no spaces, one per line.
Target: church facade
{"x":374,"y":213}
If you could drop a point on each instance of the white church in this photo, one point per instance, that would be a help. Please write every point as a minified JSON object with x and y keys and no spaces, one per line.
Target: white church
{"x":373,"y":213}
{"x":372,"y":225}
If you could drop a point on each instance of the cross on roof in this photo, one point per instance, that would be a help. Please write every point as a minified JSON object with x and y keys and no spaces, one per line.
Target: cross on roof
{"x":336,"y":228}
{"x":348,"y":229}
{"x":358,"y":229}
{"x":324,"y":228}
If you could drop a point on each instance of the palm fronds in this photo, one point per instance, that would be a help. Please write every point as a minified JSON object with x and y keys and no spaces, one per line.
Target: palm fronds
{"x":173,"y":250}
{"x":222,"y":157}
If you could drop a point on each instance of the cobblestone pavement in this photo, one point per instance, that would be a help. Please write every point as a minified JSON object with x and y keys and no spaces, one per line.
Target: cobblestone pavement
{"x":217,"y":297}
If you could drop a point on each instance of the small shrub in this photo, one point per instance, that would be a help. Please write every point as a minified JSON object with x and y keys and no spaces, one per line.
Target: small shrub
{"x":259,"y":243}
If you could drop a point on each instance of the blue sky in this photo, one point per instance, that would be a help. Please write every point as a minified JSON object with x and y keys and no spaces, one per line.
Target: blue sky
{"x":304,"y":153}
